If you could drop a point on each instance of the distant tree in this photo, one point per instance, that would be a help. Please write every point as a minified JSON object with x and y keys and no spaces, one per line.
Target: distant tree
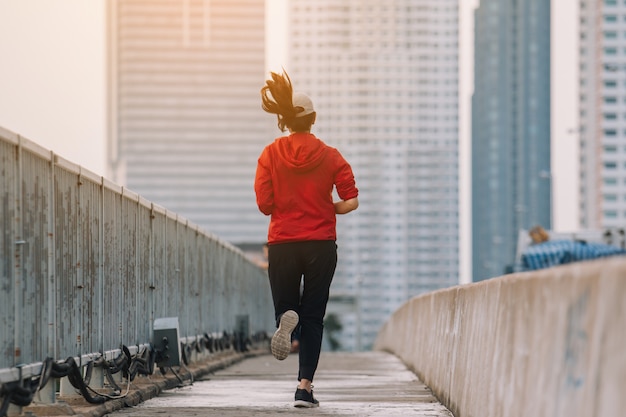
{"x":332,"y":325}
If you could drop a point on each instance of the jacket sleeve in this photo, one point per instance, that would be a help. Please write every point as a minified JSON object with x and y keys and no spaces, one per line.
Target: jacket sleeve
{"x":344,"y":179}
{"x":263,"y":184}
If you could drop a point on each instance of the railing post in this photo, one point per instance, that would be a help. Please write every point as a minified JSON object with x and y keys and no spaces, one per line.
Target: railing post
{"x":18,"y":244}
{"x":17,"y":260}
{"x":101,"y":258}
{"x":48,"y":394}
{"x":66,"y":389}
{"x":97,"y":378}
{"x":14,"y":410}
{"x":79,"y":266}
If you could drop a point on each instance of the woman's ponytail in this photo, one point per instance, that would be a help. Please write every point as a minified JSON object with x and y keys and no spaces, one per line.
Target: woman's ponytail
{"x":276,"y":97}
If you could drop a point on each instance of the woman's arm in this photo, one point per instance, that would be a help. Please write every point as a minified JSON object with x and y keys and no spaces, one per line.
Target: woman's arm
{"x":263,"y":184}
{"x":346,"y":206}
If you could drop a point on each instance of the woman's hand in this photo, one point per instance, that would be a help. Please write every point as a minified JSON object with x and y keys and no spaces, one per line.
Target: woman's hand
{"x":346,"y":206}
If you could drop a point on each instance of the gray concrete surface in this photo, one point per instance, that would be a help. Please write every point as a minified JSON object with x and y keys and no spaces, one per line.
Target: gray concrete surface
{"x":547,"y":343}
{"x":346,"y":384}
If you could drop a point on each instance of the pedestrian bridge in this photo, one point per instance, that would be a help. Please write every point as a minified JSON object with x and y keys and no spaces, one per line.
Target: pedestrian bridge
{"x":87,"y":267}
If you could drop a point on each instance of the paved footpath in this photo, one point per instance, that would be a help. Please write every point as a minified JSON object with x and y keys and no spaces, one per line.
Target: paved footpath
{"x":346,"y":384}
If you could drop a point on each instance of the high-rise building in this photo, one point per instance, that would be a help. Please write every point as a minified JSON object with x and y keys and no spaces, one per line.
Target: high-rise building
{"x":602,"y":131}
{"x":186,"y":125}
{"x":384,"y":79}
{"x":511,"y":175}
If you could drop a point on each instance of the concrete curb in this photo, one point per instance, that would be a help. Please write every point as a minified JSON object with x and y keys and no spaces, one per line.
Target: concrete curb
{"x":142,"y":388}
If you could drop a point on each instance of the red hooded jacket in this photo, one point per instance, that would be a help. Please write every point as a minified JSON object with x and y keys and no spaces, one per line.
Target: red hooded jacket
{"x":294,"y":182}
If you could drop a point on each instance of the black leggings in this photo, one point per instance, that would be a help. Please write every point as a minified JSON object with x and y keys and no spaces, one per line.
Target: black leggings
{"x":316,"y":262}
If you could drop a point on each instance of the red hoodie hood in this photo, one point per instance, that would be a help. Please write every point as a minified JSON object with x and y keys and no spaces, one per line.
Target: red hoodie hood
{"x":301,"y":151}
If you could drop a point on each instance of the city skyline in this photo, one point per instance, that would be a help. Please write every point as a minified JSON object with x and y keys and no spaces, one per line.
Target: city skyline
{"x":511,"y":173}
{"x":75,"y":76}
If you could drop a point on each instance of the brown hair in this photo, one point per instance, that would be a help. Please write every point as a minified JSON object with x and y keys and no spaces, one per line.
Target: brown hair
{"x":276,"y":96}
{"x":538,"y":234}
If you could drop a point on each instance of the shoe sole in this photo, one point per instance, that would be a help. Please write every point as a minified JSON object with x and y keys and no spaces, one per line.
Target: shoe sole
{"x":305,"y":404}
{"x":281,"y":341}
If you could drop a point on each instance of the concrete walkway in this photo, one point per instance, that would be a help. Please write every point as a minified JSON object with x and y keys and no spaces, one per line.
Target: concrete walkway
{"x":346,"y":384}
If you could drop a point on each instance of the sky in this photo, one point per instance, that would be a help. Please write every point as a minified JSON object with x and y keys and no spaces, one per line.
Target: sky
{"x":53,"y":87}
{"x":52,"y":76}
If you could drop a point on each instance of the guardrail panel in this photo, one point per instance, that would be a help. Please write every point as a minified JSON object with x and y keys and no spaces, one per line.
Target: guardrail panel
{"x":128,"y":277}
{"x":90,"y":225}
{"x":112,"y":268}
{"x":219,"y":284}
{"x":69,"y":296}
{"x":182,"y":281}
{"x":172,"y":288}
{"x":8,"y":196}
{"x":144,"y":292}
{"x":198,"y":270}
{"x":32,"y":320}
{"x":159,"y":262}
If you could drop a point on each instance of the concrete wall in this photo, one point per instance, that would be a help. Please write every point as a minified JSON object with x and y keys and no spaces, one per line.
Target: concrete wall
{"x":543,"y":343}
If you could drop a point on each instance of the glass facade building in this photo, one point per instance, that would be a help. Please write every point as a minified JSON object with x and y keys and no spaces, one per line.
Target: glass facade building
{"x":511,"y":174}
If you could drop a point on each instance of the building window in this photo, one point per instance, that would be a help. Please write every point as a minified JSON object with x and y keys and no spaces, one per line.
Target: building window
{"x":610,"y":18}
{"x":610,"y":214}
{"x":610,"y":165}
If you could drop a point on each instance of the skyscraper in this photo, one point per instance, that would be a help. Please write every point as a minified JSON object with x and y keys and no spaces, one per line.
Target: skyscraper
{"x":384,"y":79}
{"x":511,"y":176}
{"x":602,"y":56}
{"x":186,"y":125}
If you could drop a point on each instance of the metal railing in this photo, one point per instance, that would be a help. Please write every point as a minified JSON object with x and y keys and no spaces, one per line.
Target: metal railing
{"x":86,"y":266}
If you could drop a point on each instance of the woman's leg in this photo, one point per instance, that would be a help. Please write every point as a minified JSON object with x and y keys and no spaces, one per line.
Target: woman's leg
{"x":285,"y":273}
{"x":320,"y":261}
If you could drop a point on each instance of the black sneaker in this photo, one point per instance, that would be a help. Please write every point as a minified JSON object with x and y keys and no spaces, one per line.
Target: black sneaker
{"x":281,"y":341}
{"x":305,"y":399}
